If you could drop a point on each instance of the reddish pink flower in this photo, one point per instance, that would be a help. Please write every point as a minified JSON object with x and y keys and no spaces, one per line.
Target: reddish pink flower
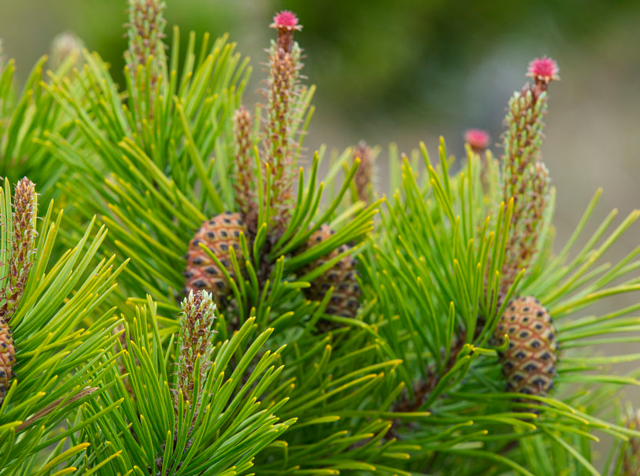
{"x":477,"y":139}
{"x":286,"y":23}
{"x":543,"y":69}
{"x":286,"y":20}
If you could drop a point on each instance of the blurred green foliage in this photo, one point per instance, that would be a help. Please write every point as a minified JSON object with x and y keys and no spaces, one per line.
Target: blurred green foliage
{"x":398,"y":55}
{"x":400,"y":59}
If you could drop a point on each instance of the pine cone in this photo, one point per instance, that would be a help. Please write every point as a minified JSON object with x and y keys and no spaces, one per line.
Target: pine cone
{"x":346,"y":293}
{"x":529,"y":362}
{"x":7,"y":358}
{"x":220,"y":234}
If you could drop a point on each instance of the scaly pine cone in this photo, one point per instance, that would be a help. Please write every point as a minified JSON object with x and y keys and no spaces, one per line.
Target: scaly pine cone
{"x":219,"y":234}
{"x":7,"y":358}
{"x":529,"y":364}
{"x":346,"y":293}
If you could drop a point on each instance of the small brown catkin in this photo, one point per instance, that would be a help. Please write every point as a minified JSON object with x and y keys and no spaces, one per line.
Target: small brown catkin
{"x":529,"y":363}
{"x":220,"y":234}
{"x":365,"y":174}
{"x":244,"y":183}
{"x":195,"y":339}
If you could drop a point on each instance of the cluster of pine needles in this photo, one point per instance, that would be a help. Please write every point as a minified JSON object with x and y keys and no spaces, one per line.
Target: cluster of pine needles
{"x":207,"y":306}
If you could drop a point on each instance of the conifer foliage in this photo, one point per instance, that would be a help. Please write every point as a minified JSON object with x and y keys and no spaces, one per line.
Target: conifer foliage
{"x":194,"y":409}
{"x":269,"y":322}
{"x":488,"y":322}
{"x":55,"y":334}
{"x":205,"y":196}
{"x":26,"y":112}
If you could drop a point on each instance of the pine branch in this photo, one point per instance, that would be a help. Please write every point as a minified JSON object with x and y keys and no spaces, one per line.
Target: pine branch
{"x":59,"y":366}
{"x":160,"y":432}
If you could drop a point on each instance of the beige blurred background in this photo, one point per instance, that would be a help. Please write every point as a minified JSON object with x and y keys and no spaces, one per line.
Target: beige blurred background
{"x":412,"y":70}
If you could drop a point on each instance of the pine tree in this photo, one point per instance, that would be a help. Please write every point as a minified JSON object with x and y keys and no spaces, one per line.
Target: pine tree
{"x":269,"y":322}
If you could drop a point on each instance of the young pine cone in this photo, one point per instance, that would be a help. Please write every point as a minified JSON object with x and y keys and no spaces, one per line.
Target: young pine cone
{"x":529,"y":362}
{"x":220,"y":235}
{"x":346,"y":290}
{"x":7,"y":358}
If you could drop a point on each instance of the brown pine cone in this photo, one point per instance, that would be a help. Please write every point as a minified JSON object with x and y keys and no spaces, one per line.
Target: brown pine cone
{"x":346,"y":293}
{"x":220,"y":235}
{"x":529,"y":364}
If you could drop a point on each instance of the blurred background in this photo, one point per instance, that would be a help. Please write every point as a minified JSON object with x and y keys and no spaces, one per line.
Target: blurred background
{"x":411,"y":70}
